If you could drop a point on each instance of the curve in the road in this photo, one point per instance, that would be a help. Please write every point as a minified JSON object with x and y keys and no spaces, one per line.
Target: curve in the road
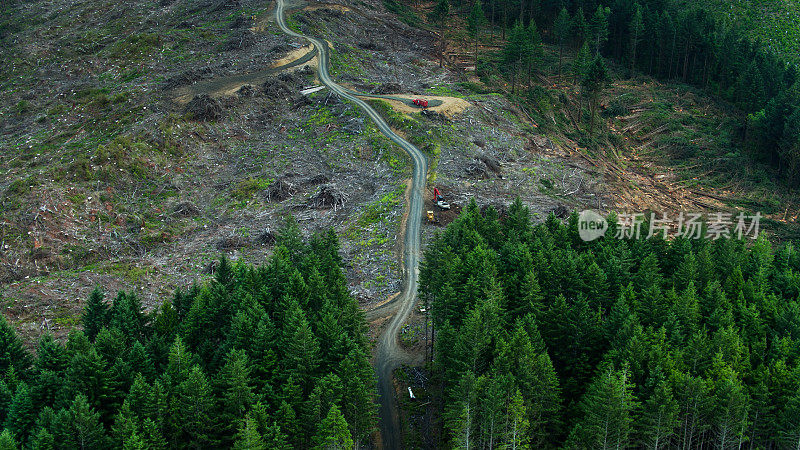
{"x":389,"y":355}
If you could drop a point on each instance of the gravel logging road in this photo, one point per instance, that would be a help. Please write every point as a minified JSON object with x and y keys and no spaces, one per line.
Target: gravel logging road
{"x":389,"y":354}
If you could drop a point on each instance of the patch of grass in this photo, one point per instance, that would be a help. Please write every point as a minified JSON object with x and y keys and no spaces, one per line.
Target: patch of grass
{"x":378,"y":210}
{"x":404,"y":13}
{"x":443,"y":90}
{"x":395,"y":119}
{"x":22,"y":107}
{"x":127,"y":270}
{"x":93,"y":97}
{"x":80,"y":255}
{"x":90,"y":42}
{"x":130,"y":75}
{"x":346,"y":61}
{"x":122,"y":153}
{"x":135,"y":46}
{"x":57,"y":110}
{"x":171,"y":132}
{"x":291,"y":22}
{"x":15,"y":194}
{"x":68,"y":321}
{"x":475,"y":87}
{"x":76,"y":199}
{"x":321,"y":116}
{"x":245,"y":189}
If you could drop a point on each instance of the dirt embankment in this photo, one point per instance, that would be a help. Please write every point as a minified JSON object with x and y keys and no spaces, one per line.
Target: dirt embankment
{"x":449,"y":107}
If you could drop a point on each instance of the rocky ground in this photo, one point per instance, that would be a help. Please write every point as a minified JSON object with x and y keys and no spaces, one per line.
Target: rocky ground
{"x":150,"y":138}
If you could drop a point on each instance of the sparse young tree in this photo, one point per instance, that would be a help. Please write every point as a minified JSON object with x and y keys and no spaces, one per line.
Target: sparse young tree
{"x":439,"y":17}
{"x":533,"y":49}
{"x":517,"y":423}
{"x":579,"y":26}
{"x":598,"y":28}
{"x":562,"y":32}
{"x":516,"y":53}
{"x":476,"y":22}
{"x":592,"y":85}
{"x":636,"y":30}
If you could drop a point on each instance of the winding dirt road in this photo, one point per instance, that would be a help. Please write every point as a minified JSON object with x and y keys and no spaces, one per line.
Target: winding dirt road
{"x":389,"y":355}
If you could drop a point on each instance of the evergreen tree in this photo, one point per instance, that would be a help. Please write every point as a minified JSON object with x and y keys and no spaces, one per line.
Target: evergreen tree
{"x":581,"y":62}
{"x":180,"y":362}
{"x":83,"y":426}
{"x":692,"y":395}
{"x":127,"y":316}
{"x":562,"y":32}
{"x":659,"y":418}
{"x":439,"y":16}
{"x":301,"y":357}
{"x":89,"y":375}
{"x":607,"y":412}
{"x":6,"y":396}
{"x":140,"y":361}
{"x":730,"y":408}
{"x":533,"y":49}
{"x":11,"y":351}
{"x":476,"y":22}
{"x":515,"y":53}
{"x":224,"y":273}
{"x":237,"y":394}
{"x":790,"y":422}
{"x":109,"y":344}
{"x":636,"y":30}
{"x":21,"y":415}
{"x":333,"y":432}
{"x":358,"y":381}
{"x":249,"y":438}
{"x":126,"y":425}
{"x":191,"y":411}
{"x":516,"y":418}
{"x":7,"y":441}
{"x":95,"y":314}
{"x":134,"y":442}
{"x":460,"y":415}
{"x":43,"y":440}
{"x":579,"y":26}
{"x":592,"y":85}
{"x":598,"y":28}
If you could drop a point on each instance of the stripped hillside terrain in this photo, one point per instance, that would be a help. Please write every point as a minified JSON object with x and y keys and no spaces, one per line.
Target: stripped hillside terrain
{"x":142,"y":141}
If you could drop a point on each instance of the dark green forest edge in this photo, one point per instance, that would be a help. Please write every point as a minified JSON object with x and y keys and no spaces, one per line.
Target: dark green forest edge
{"x":693,"y":43}
{"x":260,"y":357}
{"x":544,"y":340}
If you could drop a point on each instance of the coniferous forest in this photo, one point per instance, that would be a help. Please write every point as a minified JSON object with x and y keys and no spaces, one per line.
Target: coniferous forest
{"x":259,"y":357}
{"x":544,"y":340}
{"x":686,"y":42}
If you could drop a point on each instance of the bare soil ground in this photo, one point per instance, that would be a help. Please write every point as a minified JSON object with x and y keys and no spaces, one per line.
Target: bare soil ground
{"x":109,"y":180}
{"x":449,"y":107}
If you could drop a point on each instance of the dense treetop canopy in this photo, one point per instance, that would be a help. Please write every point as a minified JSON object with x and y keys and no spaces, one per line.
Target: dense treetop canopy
{"x":260,"y":357}
{"x":542,"y":338}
